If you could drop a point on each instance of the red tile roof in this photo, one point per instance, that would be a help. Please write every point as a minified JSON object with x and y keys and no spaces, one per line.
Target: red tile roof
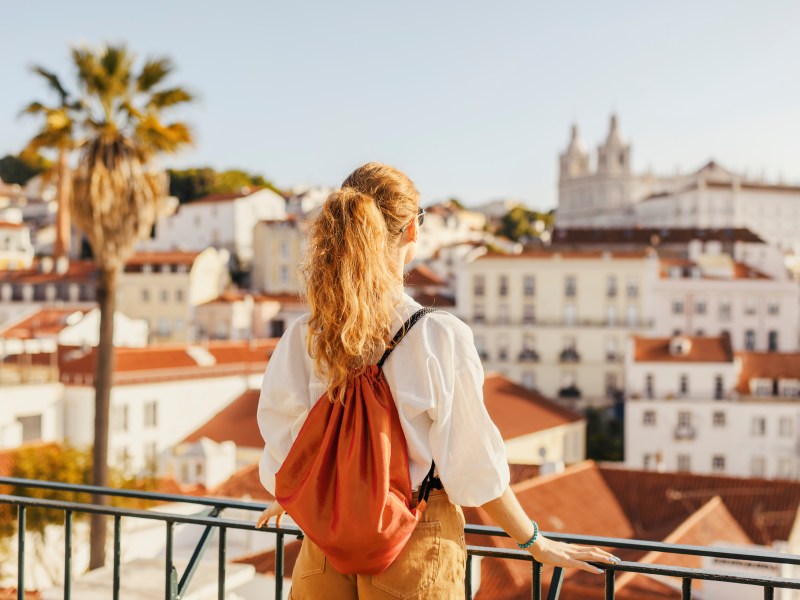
{"x":10,"y":225}
{"x":434,"y":300}
{"x":227,"y":197}
{"x":569,"y":255}
{"x":518,"y":411}
{"x":649,"y":235}
{"x":169,"y":258}
{"x":422,"y":275}
{"x":47,"y":322}
{"x":238,"y":295}
{"x":656,"y":503}
{"x":170,"y":362}
{"x":740,"y":270}
{"x":78,"y":271}
{"x":766,"y":365}
{"x":701,"y":349}
{"x":264,"y":562}
{"x":236,"y":422}
{"x":244,"y":483}
{"x":10,"y":593}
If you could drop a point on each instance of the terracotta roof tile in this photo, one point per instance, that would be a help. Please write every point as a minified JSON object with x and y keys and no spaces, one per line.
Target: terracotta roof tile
{"x":766,"y":365}
{"x":701,"y":349}
{"x":422,"y":275}
{"x":227,"y":197}
{"x":568,"y":255}
{"x":243,"y":483}
{"x":78,"y":271}
{"x":10,"y":225}
{"x":47,"y":322}
{"x":434,"y":300}
{"x":518,"y":411}
{"x":160,"y":259}
{"x":236,"y":422}
{"x":649,"y":235}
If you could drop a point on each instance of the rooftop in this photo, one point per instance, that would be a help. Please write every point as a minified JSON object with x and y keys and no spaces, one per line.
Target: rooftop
{"x":234,"y":423}
{"x":699,"y":349}
{"x":766,"y":365}
{"x":647,"y":236}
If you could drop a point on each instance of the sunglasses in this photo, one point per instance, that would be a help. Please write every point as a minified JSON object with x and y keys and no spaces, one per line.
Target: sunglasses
{"x":420,"y":218}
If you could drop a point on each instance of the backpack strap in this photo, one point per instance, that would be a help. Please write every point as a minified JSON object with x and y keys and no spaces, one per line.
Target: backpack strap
{"x":402,"y":332}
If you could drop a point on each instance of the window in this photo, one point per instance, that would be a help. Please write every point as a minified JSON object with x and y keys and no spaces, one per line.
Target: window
{"x":749,"y":339}
{"x":479,"y":315}
{"x":684,"y":418}
{"x":649,"y":418}
{"x":31,"y":428}
{"x":611,"y":348}
{"x":198,"y":470}
{"x":502,"y":347}
{"x":611,"y":286}
{"x":150,"y":456}
{"x":478,"y":285}
{"x":284,"y":274}
{"x":700,"y":307}
{"x":761,"y":387}
{"x":773,"y":307}
{"x":480,"y":346}
{"x":179,"y":323}
{"x":683,"y":385}
{"x":718,"y":387}
{"x":648,"y":385}
{"x":151,"y":414}
{"x":529,"y":379}
{"x":758,"y":426}
{"x":786,"y":426}
{"x":772,"y":340}
{"x":502,"y":314}
{"x":529,"y":285}
{"x":718,"y":463}
{"x":145,"y":295}
{"x":528,"y":314}
{"x":178,"y":295}
{"x":164,"y":295}
{"x":632,"y":287}
{"x":750,"y":306}
{"x":283,"y":248}
{"x":611,"y":384}
{"x":611,"y":314}
{"x":119,"y":418}
{"x":725,"y":310}
{"x":718,"y":419}
{"x":648,"y":460}
{"x":684,"y":462}
{"x":632,"y":314}
{"x":784,"y":467}
{"x":758,"y":466}
{"x":677,"y":306}
{"x":570,"y":286}
{"x":163,"y":326}
{"x":502,"y":288}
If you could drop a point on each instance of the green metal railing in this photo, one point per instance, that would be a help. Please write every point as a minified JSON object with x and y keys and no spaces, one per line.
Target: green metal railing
{"x":212,"y":521}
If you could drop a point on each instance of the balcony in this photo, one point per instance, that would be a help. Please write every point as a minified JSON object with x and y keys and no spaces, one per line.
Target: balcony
{"x":684,"y":432}
{"x":528,"y":355}
{"x":569,"y":355}
{"x":208,"y":515}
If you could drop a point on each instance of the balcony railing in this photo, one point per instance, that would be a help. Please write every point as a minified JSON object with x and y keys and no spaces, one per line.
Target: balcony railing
{"x":210,"y":518}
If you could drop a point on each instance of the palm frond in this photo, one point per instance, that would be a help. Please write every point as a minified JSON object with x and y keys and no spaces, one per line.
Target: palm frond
{"x":153,"y":72}
{"x":170,"y":97}
{"x":34,"y":108}
{"x":53,"y":81}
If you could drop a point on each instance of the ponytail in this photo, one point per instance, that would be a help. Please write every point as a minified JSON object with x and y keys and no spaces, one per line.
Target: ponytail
{"x":351,"y":280}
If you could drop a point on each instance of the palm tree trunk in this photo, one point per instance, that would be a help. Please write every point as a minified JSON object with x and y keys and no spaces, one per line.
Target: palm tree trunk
{"x":106,"y":300}
{"x":63,"y":221}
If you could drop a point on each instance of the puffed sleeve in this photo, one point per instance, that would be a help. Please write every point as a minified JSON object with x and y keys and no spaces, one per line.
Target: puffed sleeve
{"x":283,"y":403}
{"x":465,"y":444}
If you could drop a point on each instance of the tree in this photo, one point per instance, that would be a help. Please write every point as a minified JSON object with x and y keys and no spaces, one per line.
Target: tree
{"x":117,"y":194}
{"x":189,"y":184}
{"x":15,"y":169}
{"x":57,"y":133}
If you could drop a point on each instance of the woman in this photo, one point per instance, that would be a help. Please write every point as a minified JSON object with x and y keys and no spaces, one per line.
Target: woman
{"x":366,"y":233}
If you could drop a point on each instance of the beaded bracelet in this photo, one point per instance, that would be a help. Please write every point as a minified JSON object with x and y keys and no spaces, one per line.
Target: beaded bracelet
{"x":533,"y":538}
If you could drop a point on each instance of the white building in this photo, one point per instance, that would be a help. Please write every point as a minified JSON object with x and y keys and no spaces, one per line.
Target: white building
{"x":713,"y":294}
{"x":164,"y":288}
{"x":222,"y":221}
{"x":16,"y":249}
{"x":31,"y":412}
{"x":557,"y":322}
{"x":160,"y":395}
{"x":279,"y":249}
{"x":240,"y":315}
{"x":693,"y":406}
{"x":446,"y":225}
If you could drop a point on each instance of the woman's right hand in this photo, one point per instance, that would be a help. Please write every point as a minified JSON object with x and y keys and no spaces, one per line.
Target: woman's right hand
{"x":560,"y":554}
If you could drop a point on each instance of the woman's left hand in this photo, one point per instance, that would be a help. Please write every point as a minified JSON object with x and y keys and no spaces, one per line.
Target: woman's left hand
{"x":274,"y":510}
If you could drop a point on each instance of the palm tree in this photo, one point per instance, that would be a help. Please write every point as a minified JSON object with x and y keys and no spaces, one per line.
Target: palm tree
{"x":117,"y":195}
{"x":57,"y":133}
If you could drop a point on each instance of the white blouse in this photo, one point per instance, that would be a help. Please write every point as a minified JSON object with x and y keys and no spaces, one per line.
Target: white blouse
{"x":436,"y":379}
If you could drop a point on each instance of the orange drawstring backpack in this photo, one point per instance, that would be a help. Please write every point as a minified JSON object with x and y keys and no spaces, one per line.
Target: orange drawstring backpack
{"x":346,"y":479}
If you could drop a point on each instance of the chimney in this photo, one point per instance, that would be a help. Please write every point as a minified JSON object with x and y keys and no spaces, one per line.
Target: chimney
{"x":62,"y":264}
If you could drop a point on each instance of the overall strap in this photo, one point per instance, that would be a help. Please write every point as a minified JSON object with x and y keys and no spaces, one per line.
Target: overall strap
{"x":402,"y":332}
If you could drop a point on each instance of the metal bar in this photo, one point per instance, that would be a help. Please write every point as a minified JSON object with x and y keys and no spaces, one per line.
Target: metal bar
{"x":536,"y":581}
{"x":769,"y":593}
{"x":21,"y":553}
{"x":468,"y":578}
{"x":686,"y":589}
{"x":67,"y":555}
{"x":279,"y":548}
{"x":199,"y":550}
{"x":555,"y":583}
{"x":170,"y":584}
{"x":117,"y":527}
{"x":221,"y":565}
{"x":609,"y":584}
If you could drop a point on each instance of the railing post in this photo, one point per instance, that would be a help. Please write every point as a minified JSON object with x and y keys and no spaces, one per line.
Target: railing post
{"x":67,"y":555}
{"x":536,"y":593}
{"x":686,"y":589}
{"x":221,"y":565}
{"x":115,"y":588}
{"x":609,"y":584}
{"x":20,"y":552}
{"x":769,"y":592}
{"x":171,"y":577}
{"x":468,"y":578}
{"x":279,"y":567}
{"x":555,"y":584}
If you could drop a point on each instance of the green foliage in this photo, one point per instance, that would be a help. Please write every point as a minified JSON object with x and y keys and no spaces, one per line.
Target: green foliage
{"x":190,"y":184}
{"x":519,"y":224}
{"x":604,"y":435}
{"x":14,"y":169}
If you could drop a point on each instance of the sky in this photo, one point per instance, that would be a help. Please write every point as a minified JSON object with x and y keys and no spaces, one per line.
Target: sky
{"x":471,"y":99}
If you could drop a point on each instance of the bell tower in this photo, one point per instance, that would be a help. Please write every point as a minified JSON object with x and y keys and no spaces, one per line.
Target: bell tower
{"x":574,"y":162}
{"x":614,"y":156}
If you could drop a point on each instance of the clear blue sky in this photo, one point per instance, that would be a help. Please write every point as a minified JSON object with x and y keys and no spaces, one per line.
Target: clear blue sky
{"x":472,"y":99}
